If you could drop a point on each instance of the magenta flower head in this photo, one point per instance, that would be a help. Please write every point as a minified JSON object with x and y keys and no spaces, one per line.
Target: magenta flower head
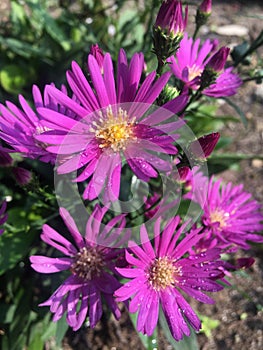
{"x":3,"y":216}
{"x":90,"y":260}
{"x":232,"y":215}
{"x":97,"y":52}
{"x":189,"y":64}
{"x":170,"y":17}
{"x":157,"y":276}
{"x":201,"y":148}
{"x":112,"y":125}
{"x":206,"y":6}
{"x":18,"y":127}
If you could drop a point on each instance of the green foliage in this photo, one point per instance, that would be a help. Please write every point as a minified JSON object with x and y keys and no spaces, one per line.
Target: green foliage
{"x":149,"y":342}
{"x":208,"y":324}
{"x":186,"y":343}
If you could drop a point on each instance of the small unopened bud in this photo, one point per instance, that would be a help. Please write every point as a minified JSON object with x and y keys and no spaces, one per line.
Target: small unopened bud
{"x":202,"y":148}
{"x":203,"y":12}
{"x":213,"y":67}
{"x":5,"y":158}
{"x":168,"y":94}
{"x":170,"y":17}
{"x":206,"y":6}
{"x":22,"y":176}
{"x":183,"y":173}
{"x":152,"y":205}
{"x":168,"y":29}
{"x":97,"y":52}
{"x":3,"y":215}
{"x":245,"y":263}
{"x":218,"y":60}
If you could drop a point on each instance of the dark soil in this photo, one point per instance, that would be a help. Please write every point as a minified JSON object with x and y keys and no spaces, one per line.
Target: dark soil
{"x":239,"y":308}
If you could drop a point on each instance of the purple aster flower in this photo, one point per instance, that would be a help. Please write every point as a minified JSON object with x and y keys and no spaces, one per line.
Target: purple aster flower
{"x":3,"y":216}
{"x":158,"y":276}
{"x":18,"y":126}
{"x":231,"y":215}
{"x":190,"y":61}
{"x":90,"y":260}
{"x":113,"y":125}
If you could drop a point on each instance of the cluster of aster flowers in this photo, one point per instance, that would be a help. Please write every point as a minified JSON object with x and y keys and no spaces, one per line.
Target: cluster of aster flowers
{"x":94,"y":128}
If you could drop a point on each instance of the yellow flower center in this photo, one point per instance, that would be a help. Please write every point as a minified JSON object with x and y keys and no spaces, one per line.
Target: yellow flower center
{"x":162,"y":273}
{"x":114,"y":130}
{"x":88,"y":263}
{"x":219,"y":216}
{"x":194,"y":72}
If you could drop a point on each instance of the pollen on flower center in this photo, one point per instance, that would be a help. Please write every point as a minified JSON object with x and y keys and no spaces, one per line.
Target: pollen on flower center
{"x":219,"y":216}
{"x":88,"y":263}
{"x":194,"y":71}
{"x":161,"y":273}
{"x":114,"y":130}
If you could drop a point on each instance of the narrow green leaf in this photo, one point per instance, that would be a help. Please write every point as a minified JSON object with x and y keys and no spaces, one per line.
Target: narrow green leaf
{"x":13,"y":248}
{"x":187,"y":343}
{"x":61,"y":330}
{"x":7,"y":312}
{"x":233,"y":156}
{"x":149,"y":342}
{"x":237,"y":109}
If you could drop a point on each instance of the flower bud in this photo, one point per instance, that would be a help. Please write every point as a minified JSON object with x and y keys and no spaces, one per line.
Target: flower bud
{"x":218,"y":60}
{"x":170,"y":17}
{"x":3,"y":215}
{"x":203,"y":12}
{"x":97,"y":52}
{"x":22,"y":176}
{"x":206,"y":7}
{"x":5,"y":158}
{"x":168,"y":29}
{"x":152,"y":205}
{"x":204,"y":146}
{"x":214,"y":67}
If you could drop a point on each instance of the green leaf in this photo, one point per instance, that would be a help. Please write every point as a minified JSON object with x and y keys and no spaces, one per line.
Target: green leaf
{"x":232,"y":157}
{"x":7,"y":313}
{"x":237,"y":109}
{"x":187,"y":343}
{"x":50,"y":24}
{"x":18,"y":12}
{"x":13,"y":78}
{"x":61,"y":330}
{"x":149,"y":342}
{"x":37,"y":342}
{"x":208,"y":324}
{"x":22,"y":48}
{"x":13,"y":248}
{"x":219,"y":162}
{"x":239,"y":51}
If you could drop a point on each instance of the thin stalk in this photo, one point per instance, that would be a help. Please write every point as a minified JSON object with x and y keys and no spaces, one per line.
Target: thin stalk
{"x":253,"y":78}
